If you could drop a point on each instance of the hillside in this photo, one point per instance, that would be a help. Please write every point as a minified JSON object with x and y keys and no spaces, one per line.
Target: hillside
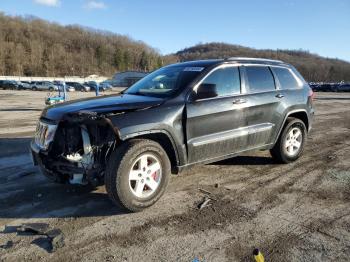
{"x":312,"y":67}
{"x":33,"y":47}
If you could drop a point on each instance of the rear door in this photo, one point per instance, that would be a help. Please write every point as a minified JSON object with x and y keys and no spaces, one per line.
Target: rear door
{"x":263,"y":100}
{"x":290,"y":87}
{"x":215,"y":126}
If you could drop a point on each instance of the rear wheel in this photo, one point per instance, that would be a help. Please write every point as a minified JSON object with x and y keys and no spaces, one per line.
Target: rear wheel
{"x":34,"y":88}
{"x":290,"y":145}
{"x":137,"y":174}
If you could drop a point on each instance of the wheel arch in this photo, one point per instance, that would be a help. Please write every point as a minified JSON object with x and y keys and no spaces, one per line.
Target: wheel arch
{"x":299,"y":114}
{"x":302,"y":115}
{"x":165,"y":140}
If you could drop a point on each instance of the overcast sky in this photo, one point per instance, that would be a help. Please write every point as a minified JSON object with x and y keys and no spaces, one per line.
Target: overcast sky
{"x":320,"y":26}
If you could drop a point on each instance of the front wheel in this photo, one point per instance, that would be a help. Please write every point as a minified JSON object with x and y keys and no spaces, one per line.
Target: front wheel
{"x":290,"y":145}
{"x":137,"y":174}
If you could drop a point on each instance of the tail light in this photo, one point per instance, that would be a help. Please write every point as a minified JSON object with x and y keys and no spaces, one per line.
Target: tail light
{"x":311,"y":97}
{"x":312,"y":94}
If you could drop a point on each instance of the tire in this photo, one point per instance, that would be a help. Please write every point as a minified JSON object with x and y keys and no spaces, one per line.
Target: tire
{"x":34,"y":88}
{"x":283,"y":152}
{"x":51,"y":88}
{"x":119,"y":184}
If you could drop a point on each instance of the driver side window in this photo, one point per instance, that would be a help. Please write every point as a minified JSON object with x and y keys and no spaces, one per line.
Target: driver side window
{"x":227,"y":81}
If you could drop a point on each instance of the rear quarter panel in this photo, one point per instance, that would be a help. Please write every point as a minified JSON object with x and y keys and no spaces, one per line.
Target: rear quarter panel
{"x":295,"y":100}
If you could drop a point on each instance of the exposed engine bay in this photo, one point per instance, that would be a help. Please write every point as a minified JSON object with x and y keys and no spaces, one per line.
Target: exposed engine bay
{"x":80,"y":148}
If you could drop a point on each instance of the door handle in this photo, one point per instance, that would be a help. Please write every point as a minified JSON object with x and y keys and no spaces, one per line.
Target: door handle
{"x":239,"y":101}
{"x":279,"y":96}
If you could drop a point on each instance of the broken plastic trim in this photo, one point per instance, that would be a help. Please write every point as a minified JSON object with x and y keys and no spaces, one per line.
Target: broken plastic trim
{"x":85,"y":161}
{"x":86,"y":164}
{"x":86,"y":117}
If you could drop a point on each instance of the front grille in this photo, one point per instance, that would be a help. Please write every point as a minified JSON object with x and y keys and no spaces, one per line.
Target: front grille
{"x":40,"y":134}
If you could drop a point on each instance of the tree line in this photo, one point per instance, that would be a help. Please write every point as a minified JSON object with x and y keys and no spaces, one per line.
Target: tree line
{"x":313,"y":67}
{"x":33,"y":47}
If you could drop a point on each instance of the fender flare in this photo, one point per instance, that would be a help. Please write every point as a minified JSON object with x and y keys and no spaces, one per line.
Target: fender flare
{"x":155,"y":131}
{"x":285,"y":119}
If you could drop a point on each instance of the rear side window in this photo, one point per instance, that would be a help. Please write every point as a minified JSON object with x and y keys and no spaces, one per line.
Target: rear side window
{"x":226,"y":79}
{"x":260,"y":79}
{"x":285,"y":77}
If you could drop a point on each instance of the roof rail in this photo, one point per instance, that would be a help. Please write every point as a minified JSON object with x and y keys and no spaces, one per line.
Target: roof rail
{"x":252,"y":59}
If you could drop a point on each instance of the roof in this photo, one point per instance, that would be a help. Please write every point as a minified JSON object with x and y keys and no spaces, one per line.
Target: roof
{"x":200,"y":63}
{"x":211,"y":62}
{"x":254,"y":60}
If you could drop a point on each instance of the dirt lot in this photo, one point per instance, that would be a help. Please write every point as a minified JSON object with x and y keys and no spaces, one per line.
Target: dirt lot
{"x":295,"y":212}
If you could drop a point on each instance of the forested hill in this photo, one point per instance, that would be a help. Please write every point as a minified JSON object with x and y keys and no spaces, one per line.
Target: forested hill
{"x":311,"y":66}
{"x":34,"y":47}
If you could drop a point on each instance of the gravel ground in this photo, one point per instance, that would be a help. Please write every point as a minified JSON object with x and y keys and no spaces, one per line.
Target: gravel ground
{"x":294,"y":212}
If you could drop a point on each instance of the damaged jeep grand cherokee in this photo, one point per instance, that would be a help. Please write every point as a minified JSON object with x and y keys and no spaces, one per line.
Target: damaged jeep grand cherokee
{"x":177,"y":116}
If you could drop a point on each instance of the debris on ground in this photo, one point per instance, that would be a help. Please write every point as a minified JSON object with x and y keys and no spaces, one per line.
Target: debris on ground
{"x":331,"y":157}
{"x":204,"y":191}
{"x":33,"y":228}
{"x":258,"y":256}
{"x":8,"y":245}
{"x":208,"y":194}
{"x":204,"y":203}
{"x":54,"y":237}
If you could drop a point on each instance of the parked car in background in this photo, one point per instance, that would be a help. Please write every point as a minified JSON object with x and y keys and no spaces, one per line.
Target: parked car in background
{"x":334,"y":87}
{"x":314,"y":86}
{"x":44,"y":86}
{"x":78,"y":86}
{"x":325,"y":88}
{"x":343,"y":88}
{"x":127,"y":78}
{"x":24,"y":85}
{"x":1,"y":83}
{"x":9,"y":84}
{"x":70,"y":88}
{"x":60,"y":84}
{"x":92,"y":84}
{"x":105,"y":85}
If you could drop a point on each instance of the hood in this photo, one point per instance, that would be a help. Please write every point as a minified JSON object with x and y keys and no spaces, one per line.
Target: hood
{"x":101,"y":105}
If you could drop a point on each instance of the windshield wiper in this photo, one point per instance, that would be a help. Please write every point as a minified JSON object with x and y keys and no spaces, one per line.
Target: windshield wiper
{"x":137,"y":94}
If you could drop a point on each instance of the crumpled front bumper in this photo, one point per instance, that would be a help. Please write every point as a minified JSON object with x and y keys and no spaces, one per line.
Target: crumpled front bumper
{"x":34,"y":152}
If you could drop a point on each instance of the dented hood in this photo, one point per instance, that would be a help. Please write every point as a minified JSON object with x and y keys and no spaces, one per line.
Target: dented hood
{"x":101,"y":105}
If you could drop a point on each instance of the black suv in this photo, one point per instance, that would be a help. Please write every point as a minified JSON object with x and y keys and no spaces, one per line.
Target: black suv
{"x":9,"y":84}
{"x":178,"y":116}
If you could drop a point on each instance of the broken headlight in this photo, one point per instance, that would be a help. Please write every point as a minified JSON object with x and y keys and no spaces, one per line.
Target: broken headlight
{"x":44,"y":134}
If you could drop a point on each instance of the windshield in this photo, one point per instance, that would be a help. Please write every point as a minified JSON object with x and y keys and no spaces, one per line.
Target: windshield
{"x":165,"y":81}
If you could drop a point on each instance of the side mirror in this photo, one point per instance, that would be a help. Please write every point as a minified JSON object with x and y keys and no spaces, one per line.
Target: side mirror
{"x":206,"y":91}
